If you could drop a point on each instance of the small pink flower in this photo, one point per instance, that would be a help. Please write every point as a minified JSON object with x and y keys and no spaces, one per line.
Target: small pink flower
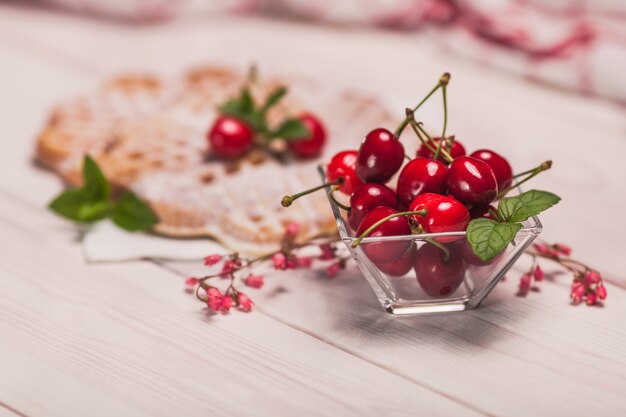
{"x":291,"y":264}
{"x":538,"y":273}
{"x":328,"y":252}
{"x":592,"y":279}
{"x":292,"y":229}
{"x":333,"y":269}
{"x":230,"y":266}
{"x":304,"y":262}
{"x":524,"y":284}
{"x":578,"y":291}
{"x":214,"y":298}
{"x":280,"y":261}
{"x":212,"y":259}
{"x":245,"y":303}
{"x":226,"y":304}
{"x":254,"y":281}
{"x":191,"y":281}
{"x":563,"y":249}
{"x":542,"y":248}
{"x":591,"y":299}
{"x":601,"y":292}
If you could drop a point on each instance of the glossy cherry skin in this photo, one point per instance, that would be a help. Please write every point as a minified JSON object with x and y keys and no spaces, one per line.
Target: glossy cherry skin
{"x":471,"y":181}
{"x":402,"y":265}
{"x":230,"y":138}
{"x":343,"y":165}
{"x":367,"y":197}
{"x":444,"y":214}
{"x":419,"y":176}
{"x":380,"y":156}
{"x":312,"y":145}
{"x":499,"y":165}
{"x":388,"y":251}
{"x":457,"y":149}
{"x":478,"y":212}
{"x":438,"y":277}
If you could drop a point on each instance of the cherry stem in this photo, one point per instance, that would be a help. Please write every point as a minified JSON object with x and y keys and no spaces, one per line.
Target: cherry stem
{"x":289,"y":199}
{"x":445,"y":122}
{"x":417,"y":128}
{"x":495,"y":215}
{"x":544,"y":166}
{"x":443,"y":81}
{"x":369,"y":230}
{"x":332,"y":197}
{"x":446,"y":251}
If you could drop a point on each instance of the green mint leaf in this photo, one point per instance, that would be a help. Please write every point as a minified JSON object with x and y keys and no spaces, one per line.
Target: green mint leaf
{"x":246,"y":101}
{"x":132,"y":214}
{"x":274,"y":98}
{"x":77,"y":204}
{"x":292,"y":129}
{"x":488,"y":238}
{"x":95,"y":185}
{"x":521,"y":207}
{"x":256,"y":120}
{"x":231,"y":108}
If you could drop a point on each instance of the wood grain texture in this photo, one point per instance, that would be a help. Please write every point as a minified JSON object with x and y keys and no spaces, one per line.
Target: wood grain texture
{"x":128,"y":339}
{"x":124,"y":339}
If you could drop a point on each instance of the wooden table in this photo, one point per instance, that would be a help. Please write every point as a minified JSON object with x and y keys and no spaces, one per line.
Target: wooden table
{"x":126,"y":340}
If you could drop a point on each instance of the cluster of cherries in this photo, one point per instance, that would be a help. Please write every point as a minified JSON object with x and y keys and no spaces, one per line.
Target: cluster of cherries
{"x":440,"y":190}
{"x":231,"y":137}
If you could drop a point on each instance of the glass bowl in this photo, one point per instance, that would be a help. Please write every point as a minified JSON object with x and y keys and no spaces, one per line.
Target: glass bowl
{"x":418,"y":284}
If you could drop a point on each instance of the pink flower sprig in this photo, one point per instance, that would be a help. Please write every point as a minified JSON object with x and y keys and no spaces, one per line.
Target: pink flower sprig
{"x":231,"y":266}
{"x":587,"y":285}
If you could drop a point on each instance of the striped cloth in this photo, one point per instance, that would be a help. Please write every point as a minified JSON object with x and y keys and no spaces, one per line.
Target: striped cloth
{"x":579,"y":45}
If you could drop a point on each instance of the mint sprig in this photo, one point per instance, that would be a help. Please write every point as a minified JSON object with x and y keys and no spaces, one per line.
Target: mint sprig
{"x":490,"y":237}
{"x":93,"y":202}
{"x":245,"y":109}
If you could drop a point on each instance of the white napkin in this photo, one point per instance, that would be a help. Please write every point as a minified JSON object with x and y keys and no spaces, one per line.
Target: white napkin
{"x":105,"y":242}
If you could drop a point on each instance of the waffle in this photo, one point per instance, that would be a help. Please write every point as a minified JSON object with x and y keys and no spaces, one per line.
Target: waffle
{"x":149,"y":135}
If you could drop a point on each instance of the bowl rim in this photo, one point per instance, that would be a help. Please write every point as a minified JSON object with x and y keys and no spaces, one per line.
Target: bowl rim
{"x":531,"y":226}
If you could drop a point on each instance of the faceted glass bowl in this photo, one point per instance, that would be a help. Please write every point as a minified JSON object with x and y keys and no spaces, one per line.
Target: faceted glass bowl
{"x":463,"y":287}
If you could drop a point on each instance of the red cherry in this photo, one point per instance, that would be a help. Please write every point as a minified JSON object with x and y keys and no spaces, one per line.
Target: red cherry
{"x":402,"y":265}
{"x":343,"y":165}
{"x":387,"y":251}
{"x":471,"y":181}
{"x":437,"y":276}
{"x":380,"y":156}
{"x":419,"y":176}
{"x":499,"y":165}
{"x":230,"y":137}
{"x":456,"y":150}
{"x":310,"y":146}
{"x":365,"y":198}
{"x":478,"y":212}
{"x":444,"y":214}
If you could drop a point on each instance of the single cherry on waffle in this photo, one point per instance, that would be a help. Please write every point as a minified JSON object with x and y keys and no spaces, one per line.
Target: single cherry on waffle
{"x":309,"y":146}
{"x":230,"y":137}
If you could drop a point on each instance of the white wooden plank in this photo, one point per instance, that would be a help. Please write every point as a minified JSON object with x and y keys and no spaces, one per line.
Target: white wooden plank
{"x":126,"y":340}
{"x":513,"y":356}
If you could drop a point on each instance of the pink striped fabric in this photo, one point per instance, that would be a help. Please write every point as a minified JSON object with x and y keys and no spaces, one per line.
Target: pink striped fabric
{"x":579,"y":45}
